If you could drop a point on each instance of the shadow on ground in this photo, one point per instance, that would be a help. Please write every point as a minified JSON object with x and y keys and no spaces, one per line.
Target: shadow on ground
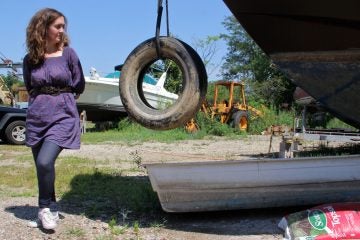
{"x":127,"y":199}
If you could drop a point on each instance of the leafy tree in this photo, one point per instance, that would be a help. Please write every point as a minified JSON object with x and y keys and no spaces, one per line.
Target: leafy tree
{"x":12,"y":82}
{"x":247,"y":62}
{"x":207,"y":49}
{"x":174,"y":77}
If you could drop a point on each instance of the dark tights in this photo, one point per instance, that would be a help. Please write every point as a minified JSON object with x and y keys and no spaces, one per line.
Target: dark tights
{"x":45,"y":155}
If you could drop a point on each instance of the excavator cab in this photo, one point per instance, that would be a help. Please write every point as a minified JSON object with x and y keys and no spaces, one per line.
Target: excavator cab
{"x":233,"y":110}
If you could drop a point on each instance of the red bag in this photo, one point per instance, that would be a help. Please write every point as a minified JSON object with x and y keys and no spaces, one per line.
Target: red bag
{"x":324,"y":222}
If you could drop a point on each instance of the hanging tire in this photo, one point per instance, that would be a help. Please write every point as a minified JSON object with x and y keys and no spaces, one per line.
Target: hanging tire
{"x":201,"y":71}
{"x":15,"y":132}
{"x":189,"y":100}
{"x":240,"y":120}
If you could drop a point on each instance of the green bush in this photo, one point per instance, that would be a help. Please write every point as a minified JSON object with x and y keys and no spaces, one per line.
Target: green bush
{"x":130,"y":131}
{"x":271,"y":117}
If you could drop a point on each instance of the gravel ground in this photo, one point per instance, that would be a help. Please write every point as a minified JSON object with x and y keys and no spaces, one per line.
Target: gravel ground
{"x":15,"y":212}
{"x":248,"y":225}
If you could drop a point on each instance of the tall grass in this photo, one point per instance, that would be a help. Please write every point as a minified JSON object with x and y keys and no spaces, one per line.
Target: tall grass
{"x":336,"y":123}
{"x":271,"y":117}
{"x":323,"y":150}
{"x":129,"y":131}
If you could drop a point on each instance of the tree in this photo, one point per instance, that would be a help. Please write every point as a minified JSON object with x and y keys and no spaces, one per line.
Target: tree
{"x":247,"y":62}
{"x":174,"y":77}
{"x":12,"y":82}
{"x":207,"y":49}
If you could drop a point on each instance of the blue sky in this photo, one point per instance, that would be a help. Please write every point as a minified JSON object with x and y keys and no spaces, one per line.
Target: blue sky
{"x":104,"y":32}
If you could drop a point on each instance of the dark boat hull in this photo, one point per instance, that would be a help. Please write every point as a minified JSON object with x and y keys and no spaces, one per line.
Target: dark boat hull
{"x":102,"y":112}
{"x":316,"y":43}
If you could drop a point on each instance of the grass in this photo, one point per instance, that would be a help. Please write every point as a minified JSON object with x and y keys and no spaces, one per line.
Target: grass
{"x":77,"y":173}
{"x":96,"y":189}
{"x":75,"y":232}
{"x":269,"y":118}
{"x":99,"y":190}
{"x":17,"y":176}
{"x":336,"y":123}
{"x":115,"y":229}
{"x":323,"y":150}
{"x":131,"y":132}
{"x":136,"y":133}
{"x":105,"y":192}
{"x":89,"y":188}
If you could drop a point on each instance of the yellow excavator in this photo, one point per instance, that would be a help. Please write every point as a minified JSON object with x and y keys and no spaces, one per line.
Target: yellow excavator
{"x":6,"y":97}
{"x":233,"y":111}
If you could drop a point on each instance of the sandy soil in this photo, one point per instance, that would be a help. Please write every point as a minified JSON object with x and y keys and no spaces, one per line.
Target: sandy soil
{"x":15,"y":212}
{"x":192,"y":150}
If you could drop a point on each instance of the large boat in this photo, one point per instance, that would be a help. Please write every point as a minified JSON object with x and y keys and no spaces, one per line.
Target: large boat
{"x":102,"y":102}
{"x":316,"y":43}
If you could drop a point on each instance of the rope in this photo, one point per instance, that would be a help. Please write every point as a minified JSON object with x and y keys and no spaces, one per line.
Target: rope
{"x":158,"y":24}
{"x":167,"y":19}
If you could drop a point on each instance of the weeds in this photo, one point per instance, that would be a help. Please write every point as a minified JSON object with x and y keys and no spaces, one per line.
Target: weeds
{"x":104,"y":237}
{"x":158,"y":224}
{"x":323,"y":150}
{"x":75,"y":232}
{"x":136,"y":228}
{"x":124,"y":213}
{"x":137,"y":159}
{"x":115,"y":229}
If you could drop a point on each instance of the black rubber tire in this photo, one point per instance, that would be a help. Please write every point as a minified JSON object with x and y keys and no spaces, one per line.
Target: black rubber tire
{"x":194,"y":84}
{"x":241,"y":120}
{"x":201,"y":71}
{"x":15,"y":132}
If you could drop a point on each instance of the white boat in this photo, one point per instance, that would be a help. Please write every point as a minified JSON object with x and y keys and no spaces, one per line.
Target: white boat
{"x":255,"y":183}
{"x":102,"y":102}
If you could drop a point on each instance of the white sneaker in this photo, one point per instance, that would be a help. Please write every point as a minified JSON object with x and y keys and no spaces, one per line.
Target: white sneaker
{"x":37,"y":223}
{"x":47,"y":219}
{"x":34,"y":223}
{"x":56,"y":215}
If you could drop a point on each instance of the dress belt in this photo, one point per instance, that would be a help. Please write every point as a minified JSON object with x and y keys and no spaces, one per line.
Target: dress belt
{"x":50,"y":90}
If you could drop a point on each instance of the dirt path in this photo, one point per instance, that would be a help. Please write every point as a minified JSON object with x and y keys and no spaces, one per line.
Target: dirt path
{"x":15,"y":212}
{"x":191,"y":150}
{"x":248,"y":225}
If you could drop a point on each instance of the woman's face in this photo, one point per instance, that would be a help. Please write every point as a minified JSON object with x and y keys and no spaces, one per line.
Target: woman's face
{"x":56,"y":30}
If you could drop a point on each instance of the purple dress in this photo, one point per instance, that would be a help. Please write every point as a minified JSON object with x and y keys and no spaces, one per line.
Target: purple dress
{"x":49,"y":117}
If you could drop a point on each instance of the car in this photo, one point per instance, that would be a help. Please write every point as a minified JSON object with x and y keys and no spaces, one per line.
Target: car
{"x":12,"y":125}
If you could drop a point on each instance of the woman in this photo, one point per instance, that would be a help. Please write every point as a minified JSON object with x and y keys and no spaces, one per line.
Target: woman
{"x":54,"y":78}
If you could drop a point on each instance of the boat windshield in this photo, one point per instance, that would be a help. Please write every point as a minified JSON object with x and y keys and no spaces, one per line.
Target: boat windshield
{"x":147,"y":79}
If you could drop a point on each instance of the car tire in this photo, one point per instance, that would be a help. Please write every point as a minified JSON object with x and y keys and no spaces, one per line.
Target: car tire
{"x":241,"y":120}
{"x":15,"y":132}
{"x":194,"y":84}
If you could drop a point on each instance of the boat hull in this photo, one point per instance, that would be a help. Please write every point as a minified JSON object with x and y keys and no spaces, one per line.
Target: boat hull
{"x":332,"y":78}
{"x":246,"y":184}
{"x":102,"y":102}
{"x":316,"y":43}
{"x":101,"y":113}
{"x":303,"y":98}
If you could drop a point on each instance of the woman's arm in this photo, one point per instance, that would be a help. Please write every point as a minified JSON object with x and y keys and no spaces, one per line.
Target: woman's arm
{"x":27,"y":73}
{"x":78,"y":80}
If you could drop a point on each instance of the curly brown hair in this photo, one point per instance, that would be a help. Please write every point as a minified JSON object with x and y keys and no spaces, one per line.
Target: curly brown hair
{"x":36,"y":34}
